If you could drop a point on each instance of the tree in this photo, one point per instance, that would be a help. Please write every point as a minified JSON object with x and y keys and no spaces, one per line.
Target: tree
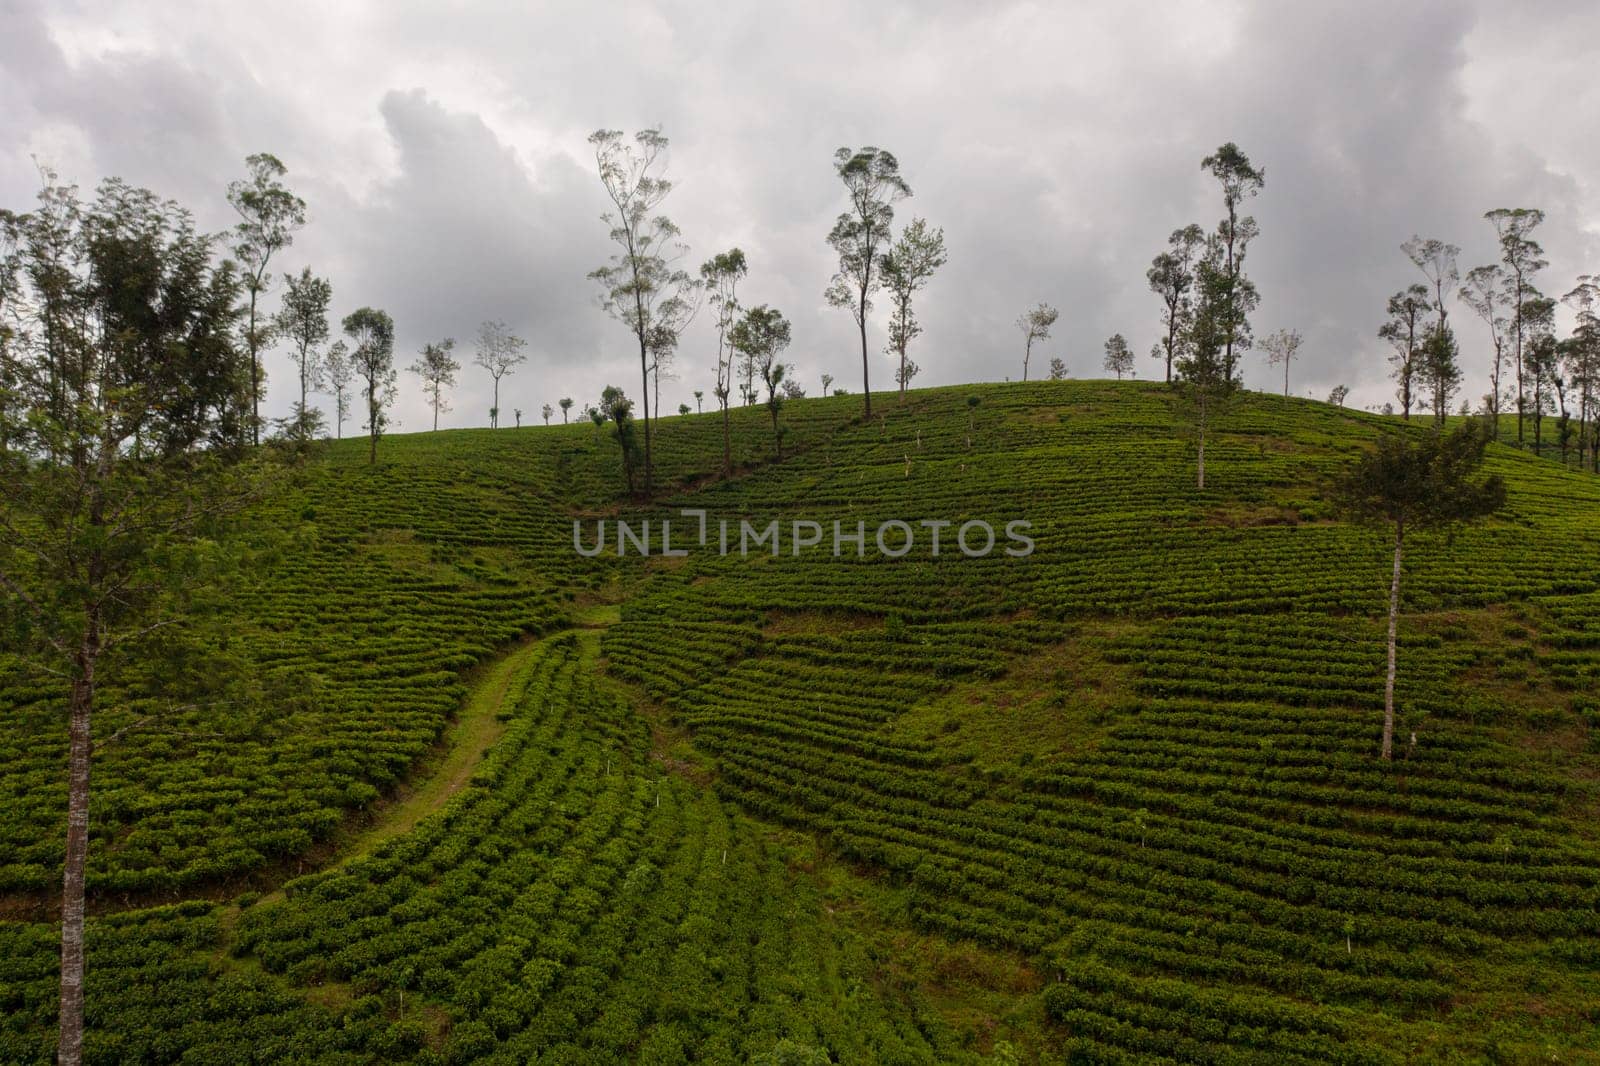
{"x":547,"y":411}
{"x":642,"y":287}
{"x":827,"y":383}
{"x":303,"y":319}
{"x":1542,"y":359}
{"x":1230,"y":294}
{"x":1171,"y":277}
{"x":1119,"y":357}
{"x":762,"y":334}
{"x":1583,"y":361}
{"x":902,"y":375}
{"x":872,"y":180}
{"x":1522,"y":257}
{"x":619,"y":409}
{"x":1281,"y":348}
{"x":122,"y":361}
{"x":1437,"y":261}
{"x":1484,"y":293}
{"x":1439,"y":369}
{"x":565,"y":403}
{"x":1402,"y":331}
{"x":437,"y":369}
{"x":1058,"y":369}
{"x":1206,"y":380}
{"x":1035,"y":326}
{"x":683,"y":409}
{"x":907,"y":266}
{"x":499,"y":352}
{"x":599,"y":419}
{"x":699,"y":395}
{"x":372,"y":357}
{"x":1338,"y":394}
{"x":340,"y":373}
{"x":268,"y":216}
{"x":517,"y":413}
{"x":1410,"y":483}
{"x":721,"y":275}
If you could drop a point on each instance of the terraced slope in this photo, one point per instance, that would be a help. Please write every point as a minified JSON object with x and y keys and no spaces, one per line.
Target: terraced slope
{"x":1124,"y":788}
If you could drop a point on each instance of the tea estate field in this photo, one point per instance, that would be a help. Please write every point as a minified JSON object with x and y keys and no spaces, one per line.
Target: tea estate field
{"x":421,"y":783}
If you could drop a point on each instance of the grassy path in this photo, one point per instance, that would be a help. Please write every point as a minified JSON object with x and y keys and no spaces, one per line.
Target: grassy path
{"x":473,"y":732}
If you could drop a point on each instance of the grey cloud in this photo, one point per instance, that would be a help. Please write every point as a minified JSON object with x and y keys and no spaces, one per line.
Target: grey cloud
{"x":444,"y":161}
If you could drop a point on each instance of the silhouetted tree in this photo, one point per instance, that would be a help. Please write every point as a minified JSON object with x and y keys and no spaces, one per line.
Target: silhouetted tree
{"x":872,"y":180}
{"x":1171,"y":277}
{"x":268,"y":216}
{"x":642,"y":287}
{"x":1523,"y":258}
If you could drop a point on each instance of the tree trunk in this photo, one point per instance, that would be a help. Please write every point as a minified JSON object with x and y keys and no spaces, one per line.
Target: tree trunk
{"x":70,"y":1051}
{"x":862,"y":322}
{"x":255,"y":368}
{"x":1201,"y":480}
{"x":1027,"y":353}
{"x":644,"y":386}
{"x":1286,"y":379}
{"x":727,"y":441}
{"x":1394,"y":621}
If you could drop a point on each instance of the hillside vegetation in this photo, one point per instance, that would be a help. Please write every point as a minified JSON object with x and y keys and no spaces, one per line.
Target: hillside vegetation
{"x":1116,"y":801}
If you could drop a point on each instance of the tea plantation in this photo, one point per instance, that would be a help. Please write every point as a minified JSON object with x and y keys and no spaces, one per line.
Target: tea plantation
{"x":1118,"y":800}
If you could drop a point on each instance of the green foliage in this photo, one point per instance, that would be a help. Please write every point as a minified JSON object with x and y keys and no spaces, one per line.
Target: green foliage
{"x":1216,"y":869}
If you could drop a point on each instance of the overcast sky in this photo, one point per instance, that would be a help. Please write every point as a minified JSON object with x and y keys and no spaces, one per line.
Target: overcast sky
{"x":444,"y":160}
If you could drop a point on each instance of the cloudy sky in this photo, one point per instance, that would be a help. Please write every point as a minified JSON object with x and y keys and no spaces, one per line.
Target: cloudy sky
{"x":442,"y":152}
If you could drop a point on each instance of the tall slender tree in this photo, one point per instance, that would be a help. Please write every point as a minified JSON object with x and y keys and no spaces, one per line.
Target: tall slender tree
{"x":907,"y":267}
{"x":1411,"y":483}
{"x":1484,"y":293}
{"x":1583,"y":362}
{"x":1171,"y":277}
{"x":872,"y":180}
{"x":1233,"y":296}
{"x":566,"y":405}
{"x":303,"y":321}
{"x":642,"y":287}
{"x":1283,"y":347}
{"x":1206,"y":379}
{"x":1542,"y":358}
{"x":269,"y":214}
{"x":1404,"y":331}
{"x":1522,"y":258}
{"x":341,"y":374}
{"x":371,"y":333}
{"x":721,"y":275}
{"x":1035,"y":326}
{"x":499,"y":352}
{"x":122,"y":365}
{"x":437,"y":368}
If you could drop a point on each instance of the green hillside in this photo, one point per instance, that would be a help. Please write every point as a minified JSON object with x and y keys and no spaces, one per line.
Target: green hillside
{"x":431,"y":786}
